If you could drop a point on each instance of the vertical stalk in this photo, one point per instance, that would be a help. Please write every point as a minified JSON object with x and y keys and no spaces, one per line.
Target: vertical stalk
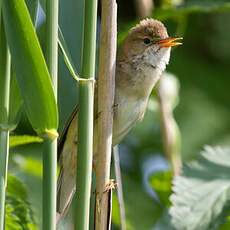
{"x":85,"y":127}
{"x":106,"y":85}
{"x":4,"y":152}
{"x":50,"y":146}
{"x":120,"y":196}
{"x":0,"y":13}
{"x":4,"y":131}
{"x":170,"y":131}
{"x":49,"y":184}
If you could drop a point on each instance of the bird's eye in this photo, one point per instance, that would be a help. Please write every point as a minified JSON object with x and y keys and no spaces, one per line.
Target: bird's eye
{"x":147,"y":41}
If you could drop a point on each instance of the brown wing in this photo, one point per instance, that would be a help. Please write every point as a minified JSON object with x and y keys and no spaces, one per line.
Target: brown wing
{"x":62,"y":137}
{"x":67,"y":151}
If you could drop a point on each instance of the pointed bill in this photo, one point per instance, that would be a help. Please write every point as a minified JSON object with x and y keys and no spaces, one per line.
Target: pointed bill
{"x":169,"y":42}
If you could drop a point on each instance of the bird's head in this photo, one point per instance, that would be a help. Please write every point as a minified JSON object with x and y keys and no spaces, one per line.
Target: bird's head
{"x":148,"y":43}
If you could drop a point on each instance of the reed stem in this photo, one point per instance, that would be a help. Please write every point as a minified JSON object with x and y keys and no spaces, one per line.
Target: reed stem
{"x":50,"y":146}
{"x":85,"y":122}
{"x":106,"y":86}
{"x":5,"y":64}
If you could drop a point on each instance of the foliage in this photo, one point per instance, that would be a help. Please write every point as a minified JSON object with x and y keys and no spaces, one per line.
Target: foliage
{"x":202,"y":115}
{"x":161,"y":184}
{"x":29,"y":64}
{"x":23,"y":140}
{"x":201,"y":198}
{"x":19,"y":215}
{"x":192,"y":7}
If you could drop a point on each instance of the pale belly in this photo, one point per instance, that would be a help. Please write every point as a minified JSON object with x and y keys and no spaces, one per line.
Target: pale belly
{"x":126,"y":115}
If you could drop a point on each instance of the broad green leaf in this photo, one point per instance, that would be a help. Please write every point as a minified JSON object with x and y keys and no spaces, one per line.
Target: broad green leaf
{"x":23,"y":140}
{"x":31,"y":70}
{"x":4,"y":86}
{"x":68,"y":10}
{"x":10,"y":118}
{"x":201,"y":198}
{"x":16,"y":103}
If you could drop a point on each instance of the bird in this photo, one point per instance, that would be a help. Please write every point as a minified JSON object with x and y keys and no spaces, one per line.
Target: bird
{"x":141,"y":60}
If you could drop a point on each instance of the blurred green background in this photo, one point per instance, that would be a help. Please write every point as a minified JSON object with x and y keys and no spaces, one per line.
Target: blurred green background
{"x":202,"y":68}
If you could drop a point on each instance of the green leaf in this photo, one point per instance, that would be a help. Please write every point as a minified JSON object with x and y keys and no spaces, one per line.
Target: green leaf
{"x":192,"y":7}
{"x":23,"y":140}
{"x":73,"y":38}
{"x":66,"y":55}
{"x":161,"y":184}
{"x":16,"y":103}
{"x":201,"y":198}
{"x":10,"y":105}
{"x":31,"y":70}
{"x":19,"y":215}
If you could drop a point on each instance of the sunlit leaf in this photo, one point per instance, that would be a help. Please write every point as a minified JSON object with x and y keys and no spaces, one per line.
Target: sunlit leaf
{"x":24,"y":139}
{"x":161,"y":184}
{"x":201,"y":198}
{"x":31,"y":70}
{"x":19,"y":215}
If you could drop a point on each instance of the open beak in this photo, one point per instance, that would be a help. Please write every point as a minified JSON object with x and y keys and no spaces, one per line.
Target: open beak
{"x":169,"y":42}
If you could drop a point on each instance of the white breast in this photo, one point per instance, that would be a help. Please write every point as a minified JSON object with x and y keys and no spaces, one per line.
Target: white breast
{"x":127,"y":113}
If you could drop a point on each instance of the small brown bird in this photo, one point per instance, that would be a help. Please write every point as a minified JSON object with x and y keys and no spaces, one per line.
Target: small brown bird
{"x":141,"y":60}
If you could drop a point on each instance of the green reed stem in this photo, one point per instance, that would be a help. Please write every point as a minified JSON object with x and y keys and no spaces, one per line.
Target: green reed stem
{"x":50,"y":146}
{"x":4,"y":131}
{"x":4,"y":153}
{"x":85,"y":130}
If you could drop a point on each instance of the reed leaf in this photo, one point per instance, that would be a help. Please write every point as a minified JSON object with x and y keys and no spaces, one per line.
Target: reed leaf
{"x":31,"y":70}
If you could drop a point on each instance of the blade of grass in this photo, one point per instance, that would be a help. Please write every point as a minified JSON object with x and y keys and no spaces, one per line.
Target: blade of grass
{"x":16,"y":103}
{"x":50,"y":146}
{"x":31,"y":70}
{"x":85,"y":130}
{"x":4,"y":131}
{"x":66,"y":56}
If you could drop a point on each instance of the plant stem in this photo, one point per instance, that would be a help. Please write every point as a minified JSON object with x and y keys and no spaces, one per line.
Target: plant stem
{"x":0,"y":13}
{"x":170,"y":131}
{"x":50,"y":146}
{"x":52,"y":41}
{"x":49,"y":184}
{"x":4,"y":152}
{"x":84,"y":156}
{"x":120,"y":196}
{"x":106,"y":85}
{"x":85,"y":122}
{"x":4,"y":132}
